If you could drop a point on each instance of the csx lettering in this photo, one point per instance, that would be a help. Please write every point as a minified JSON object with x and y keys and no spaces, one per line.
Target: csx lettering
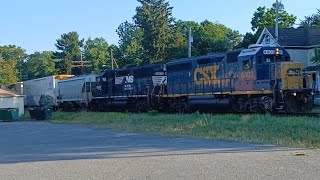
{"x":294,"y":71}
{"x":206,"y":75}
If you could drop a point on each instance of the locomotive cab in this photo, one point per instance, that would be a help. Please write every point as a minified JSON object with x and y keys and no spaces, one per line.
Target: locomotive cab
{"x":267,"y":74}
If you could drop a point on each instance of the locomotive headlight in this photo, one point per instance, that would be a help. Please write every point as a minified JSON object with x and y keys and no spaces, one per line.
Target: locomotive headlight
{"x":294,"y":94}
{"x":277,"y":51}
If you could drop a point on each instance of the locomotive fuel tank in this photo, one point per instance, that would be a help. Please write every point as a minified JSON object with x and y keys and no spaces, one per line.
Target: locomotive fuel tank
{"x":208,"y":103}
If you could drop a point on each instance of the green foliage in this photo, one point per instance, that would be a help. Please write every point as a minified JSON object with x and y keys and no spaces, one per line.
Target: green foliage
{"x":96,"y":51}
{"x":154,"y":17}
{"x":40,"y":64}
{"x":177,"y":47}
{"x":265,"y":17}
{"x":8,"y":71}
{"x":208,"y":37}
{"x":130,"y":44}
{"x":11,"y":63}
{"x":69,"y":46}
{"x":155,"y":37}
{"x":12,"y":52}
{"x":248,"y":39}
{"x":311,"y":21}
{"x":117,"y":56}
{"x":316,"y":58}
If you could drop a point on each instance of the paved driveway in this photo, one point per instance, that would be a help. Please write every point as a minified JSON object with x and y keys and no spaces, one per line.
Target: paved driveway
{"x":40,"y":150}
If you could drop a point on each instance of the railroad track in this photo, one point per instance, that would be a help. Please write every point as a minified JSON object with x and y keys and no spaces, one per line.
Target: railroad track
{"x":311,"y":114}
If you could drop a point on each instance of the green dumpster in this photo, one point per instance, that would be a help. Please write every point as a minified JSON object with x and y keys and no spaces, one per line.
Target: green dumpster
{"x":40,"y":113}
{"x":9,"y":114}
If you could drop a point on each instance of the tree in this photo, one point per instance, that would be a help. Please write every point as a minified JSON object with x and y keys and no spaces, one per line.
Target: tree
{"x":12,"y":52}
{"x":69,"y":46}
{"x":11,"y":63}
{"x":130,"y":44}
{"x":40,"y":64}
{"x":248,"y":39}
{"x":316,"y":58}
{"x":311,"y":21}
{"x":178,"y":46}
{"x":207,"y":37}
{"x":266,"y":17}
{"x":116,"y":56}
{"x":96,"y":51}
{"x":8,"y":71}
{"x":154,"y":17}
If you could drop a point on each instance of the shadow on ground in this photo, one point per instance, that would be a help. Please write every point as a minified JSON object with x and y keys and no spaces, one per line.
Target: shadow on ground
{"x":41,"y":141}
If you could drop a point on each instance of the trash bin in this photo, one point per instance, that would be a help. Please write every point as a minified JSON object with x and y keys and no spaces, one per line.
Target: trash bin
{"x":9,"y":114}
{"x":40,"y":113}
{"x":48,"y":114}
{"x":33,"y":113}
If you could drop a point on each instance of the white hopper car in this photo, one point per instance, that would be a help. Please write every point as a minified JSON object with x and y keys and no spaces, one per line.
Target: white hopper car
{"x":75,"y":93}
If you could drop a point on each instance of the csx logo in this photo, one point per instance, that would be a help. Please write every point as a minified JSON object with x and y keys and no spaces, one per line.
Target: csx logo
{"x":294,"y":72}
{"x":206,"y":75}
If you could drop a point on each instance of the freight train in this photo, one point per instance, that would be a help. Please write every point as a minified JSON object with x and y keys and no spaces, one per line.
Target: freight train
{"x":257,"y":79}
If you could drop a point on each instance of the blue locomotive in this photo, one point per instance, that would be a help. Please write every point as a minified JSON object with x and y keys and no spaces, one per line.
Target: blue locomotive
{"x":258,"y":79}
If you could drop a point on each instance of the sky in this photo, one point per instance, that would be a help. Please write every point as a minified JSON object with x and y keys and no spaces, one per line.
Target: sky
{"x":35,"y":25}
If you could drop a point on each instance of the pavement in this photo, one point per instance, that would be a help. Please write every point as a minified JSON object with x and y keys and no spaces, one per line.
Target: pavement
{"x":40,"y":150}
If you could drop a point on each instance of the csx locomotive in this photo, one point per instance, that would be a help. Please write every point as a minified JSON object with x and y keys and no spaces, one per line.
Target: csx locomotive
{"x":258,"y":79}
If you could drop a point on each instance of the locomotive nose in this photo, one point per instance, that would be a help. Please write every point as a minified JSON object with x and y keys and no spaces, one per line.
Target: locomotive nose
{"x":291,"y":75}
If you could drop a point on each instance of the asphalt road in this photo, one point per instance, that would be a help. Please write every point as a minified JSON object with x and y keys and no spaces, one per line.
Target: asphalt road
{"x":39,"y":150}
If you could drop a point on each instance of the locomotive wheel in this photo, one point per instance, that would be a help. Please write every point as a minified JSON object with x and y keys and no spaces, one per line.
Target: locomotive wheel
{"x":308,"y":103}
{"x":179,"y":106}
{"x":266,"y":104}
{"x":141,"y":106}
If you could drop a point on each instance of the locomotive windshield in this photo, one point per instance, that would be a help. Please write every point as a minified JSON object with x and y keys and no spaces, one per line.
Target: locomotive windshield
{"x":262,"y":55}
{"x":274,"y":55}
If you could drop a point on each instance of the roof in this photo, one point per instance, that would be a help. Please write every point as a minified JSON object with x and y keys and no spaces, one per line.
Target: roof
{"x":312,"y":68}
{"x":62,"y":76}
{"x":297,"y":36}
{"x":6,"y":93}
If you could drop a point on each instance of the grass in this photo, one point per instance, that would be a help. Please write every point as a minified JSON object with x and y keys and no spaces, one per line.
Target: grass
{"x":266,"y":129}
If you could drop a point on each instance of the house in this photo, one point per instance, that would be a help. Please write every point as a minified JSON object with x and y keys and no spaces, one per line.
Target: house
{"x":302,"y":44}
{"x":9,"y":99}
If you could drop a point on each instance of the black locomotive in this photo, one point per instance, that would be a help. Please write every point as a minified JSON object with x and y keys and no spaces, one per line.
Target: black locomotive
{"x":258,"y":79}
{"x":134,"y":88}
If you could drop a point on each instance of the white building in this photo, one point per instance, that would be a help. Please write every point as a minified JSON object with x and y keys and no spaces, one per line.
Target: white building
{"x":9,"y":99}
{"x":301,"y":43}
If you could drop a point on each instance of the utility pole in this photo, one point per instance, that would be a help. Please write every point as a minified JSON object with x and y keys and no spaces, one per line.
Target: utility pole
{"x":277,"y":22}
{"x":190,"y":40}
{"x":111,"y":57}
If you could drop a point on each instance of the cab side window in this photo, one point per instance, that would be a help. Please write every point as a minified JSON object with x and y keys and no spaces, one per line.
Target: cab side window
{"x":246,"y":64}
